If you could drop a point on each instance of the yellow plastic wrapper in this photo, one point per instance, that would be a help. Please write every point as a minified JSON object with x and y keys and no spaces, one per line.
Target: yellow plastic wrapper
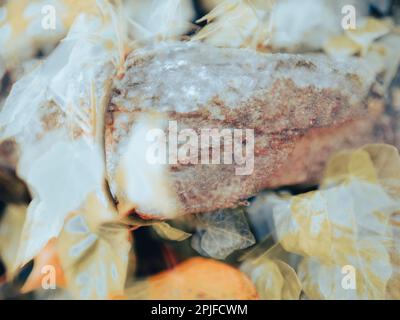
{"x":345,"y":228}
{"x":29,"y":25}
{"x":94,"y":253}
{"x":273,"y":277}
{"x":238,"y":23}
{"x":393,"y":287}
{"x":10,"y":232}
{"x":358,"y":41}
{"x":368,"y":31}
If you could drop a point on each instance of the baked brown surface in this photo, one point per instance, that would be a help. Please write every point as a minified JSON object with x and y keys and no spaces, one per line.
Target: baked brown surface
{"x":302,"y":109}
{"x":299,"y":122}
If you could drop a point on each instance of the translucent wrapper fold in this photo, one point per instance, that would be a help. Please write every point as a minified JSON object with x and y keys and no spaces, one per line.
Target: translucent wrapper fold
{"x":346,"y":225}
{"x":56,"y":116}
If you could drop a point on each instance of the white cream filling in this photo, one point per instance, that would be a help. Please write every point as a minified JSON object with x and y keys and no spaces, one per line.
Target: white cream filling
{"x":146,"y":184}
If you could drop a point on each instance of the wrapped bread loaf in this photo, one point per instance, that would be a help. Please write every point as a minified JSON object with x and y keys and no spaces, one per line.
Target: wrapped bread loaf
{"x":302,"y":109}
{"x":80,"y":122}
{"x":127,"y":124}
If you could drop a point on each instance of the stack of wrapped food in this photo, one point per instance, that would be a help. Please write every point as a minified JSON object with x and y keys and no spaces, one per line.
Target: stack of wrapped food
{"x":309,"y":212}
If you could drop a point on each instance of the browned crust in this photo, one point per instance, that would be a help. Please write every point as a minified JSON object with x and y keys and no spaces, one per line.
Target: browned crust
{"x":287,"y":159}
{"x":296,"y":129}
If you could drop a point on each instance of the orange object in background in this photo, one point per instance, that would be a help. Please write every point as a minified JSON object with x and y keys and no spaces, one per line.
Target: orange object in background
{"x":194,"y":279}
{"x":43,"y":264}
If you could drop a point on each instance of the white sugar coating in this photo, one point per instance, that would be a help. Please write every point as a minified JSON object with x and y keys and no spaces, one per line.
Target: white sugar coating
{"x":147,"y":184}
{"x":184,"y":76}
